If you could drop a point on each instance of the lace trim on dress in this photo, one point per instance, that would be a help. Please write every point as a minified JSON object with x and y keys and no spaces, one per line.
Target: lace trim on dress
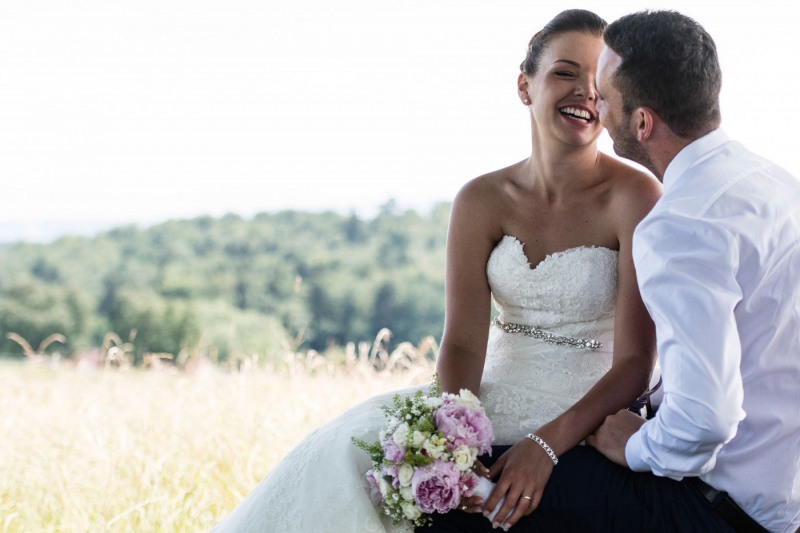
{"x":546,"y":336}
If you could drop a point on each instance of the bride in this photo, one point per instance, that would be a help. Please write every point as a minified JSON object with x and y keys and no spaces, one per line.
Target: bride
{"x":549,"y":238}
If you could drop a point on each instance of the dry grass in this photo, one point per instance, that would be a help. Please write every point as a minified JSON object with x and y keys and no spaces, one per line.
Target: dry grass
{"x":158,"y":450}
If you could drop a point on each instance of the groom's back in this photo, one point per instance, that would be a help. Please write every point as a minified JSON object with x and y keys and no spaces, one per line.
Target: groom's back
{"x":759,"y":204}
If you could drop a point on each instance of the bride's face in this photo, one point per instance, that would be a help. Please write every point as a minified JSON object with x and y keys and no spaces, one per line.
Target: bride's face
{"x":562,"y":93}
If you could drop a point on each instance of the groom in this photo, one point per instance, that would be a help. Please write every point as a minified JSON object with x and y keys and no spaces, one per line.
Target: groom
{"x":718,"y":265}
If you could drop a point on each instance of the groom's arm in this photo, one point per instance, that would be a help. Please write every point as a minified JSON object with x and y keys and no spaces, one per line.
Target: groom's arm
{"x":611,"y":438}
{"x":686,"y":275}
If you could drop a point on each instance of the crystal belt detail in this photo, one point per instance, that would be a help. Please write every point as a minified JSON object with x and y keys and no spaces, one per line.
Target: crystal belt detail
{"x":545,"y":336}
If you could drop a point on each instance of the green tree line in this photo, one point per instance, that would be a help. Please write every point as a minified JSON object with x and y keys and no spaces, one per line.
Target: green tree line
{"x":231,"y":285}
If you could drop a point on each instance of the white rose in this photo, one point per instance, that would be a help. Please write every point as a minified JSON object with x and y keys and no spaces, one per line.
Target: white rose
{"x":407,"y":493}
{"x":433,"y":402}
{"x":411,"y":511}
{"x":468,"y":399}
{"x":404,"y":474}
{"x":417,"y":438}
{"x":384,"y":487}
{"x":401,"y":434}
{"x":464,"y":457}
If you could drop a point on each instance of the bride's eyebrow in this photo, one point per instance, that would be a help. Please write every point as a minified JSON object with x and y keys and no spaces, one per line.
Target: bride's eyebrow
{"x":569,"y":61}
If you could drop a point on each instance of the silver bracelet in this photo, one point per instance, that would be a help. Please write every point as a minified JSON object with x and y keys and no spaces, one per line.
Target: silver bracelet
{"x":547,"y":449}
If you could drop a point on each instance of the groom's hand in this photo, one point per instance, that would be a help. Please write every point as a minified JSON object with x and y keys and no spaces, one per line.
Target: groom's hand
{"x":611,"y":437}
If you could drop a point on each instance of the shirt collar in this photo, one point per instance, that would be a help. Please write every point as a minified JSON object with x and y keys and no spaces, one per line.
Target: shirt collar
{"x":692,"y":153}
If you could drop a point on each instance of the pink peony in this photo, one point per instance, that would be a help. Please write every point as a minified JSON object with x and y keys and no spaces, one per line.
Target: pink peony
{"x":436,"y":487}
{"x":465,"y":425}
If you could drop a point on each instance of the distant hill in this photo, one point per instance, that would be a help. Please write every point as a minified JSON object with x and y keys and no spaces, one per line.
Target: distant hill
{"x":230,"y":285}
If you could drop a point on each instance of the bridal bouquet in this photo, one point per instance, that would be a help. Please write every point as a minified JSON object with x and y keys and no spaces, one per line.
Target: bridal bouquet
{"x":425,"y":453}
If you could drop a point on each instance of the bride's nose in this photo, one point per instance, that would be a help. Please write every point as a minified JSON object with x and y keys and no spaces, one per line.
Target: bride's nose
{"x":586,"y":89}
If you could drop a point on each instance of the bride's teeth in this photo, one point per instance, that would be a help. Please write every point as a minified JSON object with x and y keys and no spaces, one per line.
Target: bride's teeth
{"x":579,"y":113}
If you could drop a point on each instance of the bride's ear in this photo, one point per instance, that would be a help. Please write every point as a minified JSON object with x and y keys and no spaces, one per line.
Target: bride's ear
{"x":522,"y":89}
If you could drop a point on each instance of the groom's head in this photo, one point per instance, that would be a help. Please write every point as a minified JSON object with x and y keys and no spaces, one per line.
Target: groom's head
{"x":666,"y":63}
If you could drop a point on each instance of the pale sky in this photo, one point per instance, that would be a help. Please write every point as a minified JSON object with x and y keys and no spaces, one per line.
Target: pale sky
{"x":115,"y":112}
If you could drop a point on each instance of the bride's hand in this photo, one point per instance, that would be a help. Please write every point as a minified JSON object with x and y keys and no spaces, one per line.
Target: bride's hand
{"x":523,"y":474}
{"x":474,"y":504}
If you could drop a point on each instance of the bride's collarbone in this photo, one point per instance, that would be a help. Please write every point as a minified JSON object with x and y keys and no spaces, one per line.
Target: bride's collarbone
{"x":547,"y":229}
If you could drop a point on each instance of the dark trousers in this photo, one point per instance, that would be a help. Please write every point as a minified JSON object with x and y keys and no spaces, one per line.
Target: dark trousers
{"x":588,"y":493}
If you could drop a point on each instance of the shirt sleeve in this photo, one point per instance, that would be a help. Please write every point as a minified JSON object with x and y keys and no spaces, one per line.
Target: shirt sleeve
{"x":686,"y":270}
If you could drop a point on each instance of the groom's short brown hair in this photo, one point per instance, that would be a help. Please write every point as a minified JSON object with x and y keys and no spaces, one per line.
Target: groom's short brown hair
{"x":670,"y":65}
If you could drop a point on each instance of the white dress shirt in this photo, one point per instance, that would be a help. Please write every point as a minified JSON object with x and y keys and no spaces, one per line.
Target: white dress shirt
{"x":718,"y":265}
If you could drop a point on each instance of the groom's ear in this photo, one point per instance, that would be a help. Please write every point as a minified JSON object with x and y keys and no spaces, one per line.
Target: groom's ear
{"x":644,"y":120}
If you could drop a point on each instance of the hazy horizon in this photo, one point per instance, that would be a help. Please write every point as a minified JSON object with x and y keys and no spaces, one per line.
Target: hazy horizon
{"x":45,"y":231}
{"x":114,"y":114}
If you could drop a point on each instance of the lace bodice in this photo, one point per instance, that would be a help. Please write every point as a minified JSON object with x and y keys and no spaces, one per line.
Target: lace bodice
{"x":576,"y":285}
{"x":526,"y":381}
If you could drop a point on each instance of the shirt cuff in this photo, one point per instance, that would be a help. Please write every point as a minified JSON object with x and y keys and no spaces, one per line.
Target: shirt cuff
{"x":633,"y":453}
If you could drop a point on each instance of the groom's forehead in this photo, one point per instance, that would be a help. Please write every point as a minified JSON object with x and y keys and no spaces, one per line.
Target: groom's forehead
{"x":608,"y":61}
{"x":607,"y":64}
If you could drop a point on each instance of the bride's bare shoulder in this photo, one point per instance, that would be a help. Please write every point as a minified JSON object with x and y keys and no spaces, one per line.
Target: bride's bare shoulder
{"x":490,"y":189}
{"x":632,"y":188}
{"x":625,"y":175}
{"x":482,"y":206}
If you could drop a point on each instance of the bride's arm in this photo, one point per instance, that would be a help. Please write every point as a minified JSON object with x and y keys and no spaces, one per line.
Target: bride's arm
{"x":634,"y":333}
{"x":472,"y":234}
{"x":526,"y":467}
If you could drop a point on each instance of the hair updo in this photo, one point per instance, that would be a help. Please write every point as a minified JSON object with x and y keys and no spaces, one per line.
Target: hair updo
{"x":579,"y":20}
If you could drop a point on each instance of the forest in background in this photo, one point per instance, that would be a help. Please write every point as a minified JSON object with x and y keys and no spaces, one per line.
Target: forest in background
{"x":229,"y":287}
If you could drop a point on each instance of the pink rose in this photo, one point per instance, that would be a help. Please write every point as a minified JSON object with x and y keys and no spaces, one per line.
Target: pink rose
{"x":436,"y":487}
{"x":465,"y":426}
{"x":468,"y":483}
{"x":393,"y":452}
{"x":393,"y":472}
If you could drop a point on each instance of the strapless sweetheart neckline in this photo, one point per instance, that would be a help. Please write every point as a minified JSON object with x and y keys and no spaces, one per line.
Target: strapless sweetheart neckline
{"x":555,"y":255}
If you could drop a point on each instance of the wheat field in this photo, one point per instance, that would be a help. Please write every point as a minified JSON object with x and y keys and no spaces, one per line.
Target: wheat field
{"x":161,"y":450}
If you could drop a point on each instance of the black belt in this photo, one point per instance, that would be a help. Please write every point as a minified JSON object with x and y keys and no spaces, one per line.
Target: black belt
{"x":726,"y":508}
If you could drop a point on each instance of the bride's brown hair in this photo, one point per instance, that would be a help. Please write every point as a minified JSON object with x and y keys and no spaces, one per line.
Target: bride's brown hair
{"x":579,"y":20}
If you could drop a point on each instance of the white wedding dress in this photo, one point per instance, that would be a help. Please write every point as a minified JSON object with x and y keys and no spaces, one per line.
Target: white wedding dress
{"x":527,"y":381}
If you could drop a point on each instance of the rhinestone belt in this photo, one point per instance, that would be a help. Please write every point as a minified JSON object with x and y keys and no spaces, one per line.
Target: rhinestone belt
{"x":536,"y":333}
